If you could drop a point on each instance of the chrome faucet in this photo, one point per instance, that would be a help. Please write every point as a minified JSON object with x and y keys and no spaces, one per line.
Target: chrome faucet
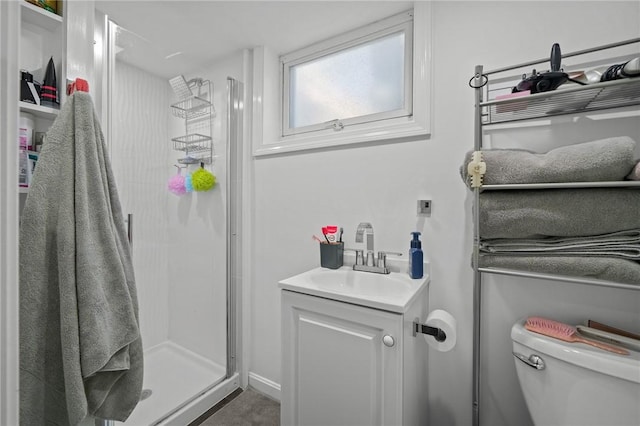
{"x":369,"y":263}
{"x":366,"y":228}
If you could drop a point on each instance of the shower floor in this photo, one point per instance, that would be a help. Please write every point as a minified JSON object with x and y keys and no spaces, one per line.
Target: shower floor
{"x":174,"y":375}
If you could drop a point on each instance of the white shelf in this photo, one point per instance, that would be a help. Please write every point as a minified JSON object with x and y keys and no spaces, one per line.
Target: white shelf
{"x":40,"y":17}
{"x":39,"y":110}
{"x":609,"y":184}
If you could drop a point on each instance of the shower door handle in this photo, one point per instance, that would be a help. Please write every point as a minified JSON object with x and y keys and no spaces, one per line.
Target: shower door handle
{"x":130,"y":229}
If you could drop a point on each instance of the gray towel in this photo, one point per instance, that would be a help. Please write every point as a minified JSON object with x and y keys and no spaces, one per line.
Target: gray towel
{"x":602,"y":268}
{"x":623,"y":244}
{"x":558,"y":212}
{"x":602,"y":160}
{"x":80,"y":346}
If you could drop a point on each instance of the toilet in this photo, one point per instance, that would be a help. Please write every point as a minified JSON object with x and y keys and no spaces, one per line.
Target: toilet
{"x":575,"y":384}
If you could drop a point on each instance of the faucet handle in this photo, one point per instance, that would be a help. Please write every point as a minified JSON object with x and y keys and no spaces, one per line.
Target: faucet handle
{"x":370,"y":258}
{"x":359,"y":255}
{"x":382,"y":257}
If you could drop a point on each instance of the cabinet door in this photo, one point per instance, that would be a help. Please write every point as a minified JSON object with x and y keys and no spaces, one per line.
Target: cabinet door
{"x":336,"y":368}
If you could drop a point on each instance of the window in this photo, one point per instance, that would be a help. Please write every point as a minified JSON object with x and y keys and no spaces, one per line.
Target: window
{"x":359,"y":77}
{"x":370,"y":84}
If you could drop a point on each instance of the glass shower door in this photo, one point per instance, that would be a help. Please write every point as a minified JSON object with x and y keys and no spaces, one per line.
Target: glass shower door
{"x":179,"y":243}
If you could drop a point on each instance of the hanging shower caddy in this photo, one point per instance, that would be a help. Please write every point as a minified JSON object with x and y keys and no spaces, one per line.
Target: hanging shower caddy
{"x":196,"y":108}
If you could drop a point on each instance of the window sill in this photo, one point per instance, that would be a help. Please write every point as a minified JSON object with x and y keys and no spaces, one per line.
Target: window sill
{"x":354,"y":135}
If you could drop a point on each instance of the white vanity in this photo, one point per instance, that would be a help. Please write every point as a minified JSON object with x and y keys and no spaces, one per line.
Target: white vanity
{"x":350,"y":355}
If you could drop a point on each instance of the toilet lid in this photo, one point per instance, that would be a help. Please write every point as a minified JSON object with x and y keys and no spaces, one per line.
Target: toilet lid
{"x":622,"y":366}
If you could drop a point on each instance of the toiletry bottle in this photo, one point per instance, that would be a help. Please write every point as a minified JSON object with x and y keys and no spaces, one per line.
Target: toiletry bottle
{"x":416,"y":257}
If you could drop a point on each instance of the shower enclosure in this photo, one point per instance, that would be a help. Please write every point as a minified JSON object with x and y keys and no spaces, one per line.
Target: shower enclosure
{"x":183,"y":246}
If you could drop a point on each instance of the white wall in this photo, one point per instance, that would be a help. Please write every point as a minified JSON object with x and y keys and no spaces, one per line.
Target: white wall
{"x":294,"y":195}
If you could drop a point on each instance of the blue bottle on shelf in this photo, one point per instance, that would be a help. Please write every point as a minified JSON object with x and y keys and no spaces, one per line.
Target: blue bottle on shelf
{"x":416,"y":264}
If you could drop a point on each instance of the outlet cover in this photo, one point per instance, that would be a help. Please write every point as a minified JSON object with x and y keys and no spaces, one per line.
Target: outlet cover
{"x":424,"y":207}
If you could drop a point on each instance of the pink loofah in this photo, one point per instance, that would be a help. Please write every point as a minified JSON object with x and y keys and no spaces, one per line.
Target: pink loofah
{"x":176,"y":184}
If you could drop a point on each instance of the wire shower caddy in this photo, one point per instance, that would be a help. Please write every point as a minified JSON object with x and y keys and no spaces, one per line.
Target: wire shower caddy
{"x":197,"y":111}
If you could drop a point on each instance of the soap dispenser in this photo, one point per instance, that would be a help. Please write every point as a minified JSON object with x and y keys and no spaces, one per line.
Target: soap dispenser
{"x":416,"y":263}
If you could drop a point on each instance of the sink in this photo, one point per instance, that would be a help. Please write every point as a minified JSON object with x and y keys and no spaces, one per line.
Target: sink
{"x":391,"y":292}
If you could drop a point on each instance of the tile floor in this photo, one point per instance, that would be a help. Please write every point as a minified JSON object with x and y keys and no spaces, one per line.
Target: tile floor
{"x":247,"y":408}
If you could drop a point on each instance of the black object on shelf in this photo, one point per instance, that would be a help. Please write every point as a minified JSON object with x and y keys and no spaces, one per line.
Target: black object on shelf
{"x":49,"y":92}
{"x":543,"y":82}
{"x":29,"y":91}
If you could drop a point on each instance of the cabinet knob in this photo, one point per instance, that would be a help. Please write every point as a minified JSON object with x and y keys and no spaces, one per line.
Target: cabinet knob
{"x":388,"y":340}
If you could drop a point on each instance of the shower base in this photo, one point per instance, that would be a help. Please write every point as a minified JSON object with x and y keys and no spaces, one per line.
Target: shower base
{"x":173,"y":376}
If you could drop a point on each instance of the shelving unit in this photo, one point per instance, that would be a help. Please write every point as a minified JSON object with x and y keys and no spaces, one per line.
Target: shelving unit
{"x":45,"y":112}
{"x":197,"y":112}
{"x":41,"y":37}
{"x":40,"y":17}
{"x":569,"y":100}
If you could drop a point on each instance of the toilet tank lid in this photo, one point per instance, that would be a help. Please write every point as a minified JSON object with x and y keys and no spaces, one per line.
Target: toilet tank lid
{"x":622,"y":366}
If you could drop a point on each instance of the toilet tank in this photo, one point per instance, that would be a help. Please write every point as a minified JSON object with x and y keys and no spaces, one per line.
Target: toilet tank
{"x":579,"y":384}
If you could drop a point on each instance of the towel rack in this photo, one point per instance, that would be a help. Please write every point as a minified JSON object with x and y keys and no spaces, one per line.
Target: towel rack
{"x":579,"y":99}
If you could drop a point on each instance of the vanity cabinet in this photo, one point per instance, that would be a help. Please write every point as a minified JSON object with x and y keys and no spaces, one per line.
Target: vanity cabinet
{"x":348,"y":364}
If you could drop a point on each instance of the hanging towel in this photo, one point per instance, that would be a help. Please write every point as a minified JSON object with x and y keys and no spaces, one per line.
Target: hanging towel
{"x":558,"y":212}
{"x":603,"y":268}
{"x":602,"y":160}
{"x":80,"y":346}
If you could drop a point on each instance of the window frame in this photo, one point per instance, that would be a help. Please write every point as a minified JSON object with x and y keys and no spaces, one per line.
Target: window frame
{"x":263,"y":75}
{"x":402,"y":23}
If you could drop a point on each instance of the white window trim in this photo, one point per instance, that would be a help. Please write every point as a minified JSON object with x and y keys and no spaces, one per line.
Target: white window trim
{"x":267,"y":102}
{"x":402,"y":23}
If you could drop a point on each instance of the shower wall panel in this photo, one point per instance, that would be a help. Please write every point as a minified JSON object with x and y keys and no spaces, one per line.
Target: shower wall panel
{"x":197,"y":229}
{"x":140,"y":150}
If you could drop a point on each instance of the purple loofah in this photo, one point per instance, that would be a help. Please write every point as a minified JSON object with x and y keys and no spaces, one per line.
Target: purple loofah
{"x":176,"y":184}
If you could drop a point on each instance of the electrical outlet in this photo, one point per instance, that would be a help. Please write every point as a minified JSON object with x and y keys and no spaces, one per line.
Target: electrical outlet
{"x":424,"y":207}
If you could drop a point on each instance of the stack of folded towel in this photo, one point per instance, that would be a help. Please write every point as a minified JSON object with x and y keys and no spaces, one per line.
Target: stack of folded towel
{"x":586,"y":232}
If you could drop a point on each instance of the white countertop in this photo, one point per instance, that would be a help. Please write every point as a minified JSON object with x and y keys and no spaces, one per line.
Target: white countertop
{"x":392,"y":292}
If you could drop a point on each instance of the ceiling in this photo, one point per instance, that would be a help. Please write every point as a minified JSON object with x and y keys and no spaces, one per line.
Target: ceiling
{"x":168,"y":38}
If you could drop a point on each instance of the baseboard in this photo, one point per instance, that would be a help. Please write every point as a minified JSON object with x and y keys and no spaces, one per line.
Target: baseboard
{"x":265,"y":386}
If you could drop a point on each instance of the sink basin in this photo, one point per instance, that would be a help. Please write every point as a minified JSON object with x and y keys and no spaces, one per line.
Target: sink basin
{"x":391,"y":292}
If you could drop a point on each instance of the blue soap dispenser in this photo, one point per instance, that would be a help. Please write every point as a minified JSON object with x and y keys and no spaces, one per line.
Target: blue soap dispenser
{"x":416,"y":263}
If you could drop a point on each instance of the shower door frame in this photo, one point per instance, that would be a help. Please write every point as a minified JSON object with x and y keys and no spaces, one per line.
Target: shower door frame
{"x":235,"y":105}
{"x":9,"y":216}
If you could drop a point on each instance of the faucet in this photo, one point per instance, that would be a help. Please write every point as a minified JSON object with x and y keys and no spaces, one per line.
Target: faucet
{"x":370,"y":265}
{"x":366,"y":228}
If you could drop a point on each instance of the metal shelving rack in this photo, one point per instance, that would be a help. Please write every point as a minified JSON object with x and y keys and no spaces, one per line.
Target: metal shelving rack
{"x":197,"y":112}
{"x":563,"y":101}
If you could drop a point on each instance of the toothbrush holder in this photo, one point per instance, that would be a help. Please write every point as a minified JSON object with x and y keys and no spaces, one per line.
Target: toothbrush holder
{"x":331,"y":255}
